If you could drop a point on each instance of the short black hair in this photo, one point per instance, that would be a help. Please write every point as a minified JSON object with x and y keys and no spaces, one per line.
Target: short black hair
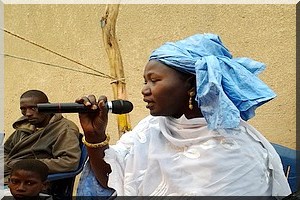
{"x":36,"y":93}
{"x":32,"y":165}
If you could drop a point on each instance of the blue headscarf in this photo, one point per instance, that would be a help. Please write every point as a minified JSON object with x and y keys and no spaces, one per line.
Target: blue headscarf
{"x":227,"y":88}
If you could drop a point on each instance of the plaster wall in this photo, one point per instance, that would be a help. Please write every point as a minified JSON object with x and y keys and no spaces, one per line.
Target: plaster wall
{"x":266,"y":33}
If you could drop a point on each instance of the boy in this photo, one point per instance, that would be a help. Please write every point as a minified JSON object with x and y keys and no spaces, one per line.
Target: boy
{"x":28,"y":178}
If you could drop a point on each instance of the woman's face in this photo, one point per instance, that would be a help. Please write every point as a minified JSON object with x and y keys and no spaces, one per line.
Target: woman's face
{"x":165,"y":91}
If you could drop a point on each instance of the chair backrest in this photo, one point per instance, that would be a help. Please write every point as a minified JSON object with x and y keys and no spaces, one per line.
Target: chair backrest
{"x":64,"y":182}
{"x":289,"y":159}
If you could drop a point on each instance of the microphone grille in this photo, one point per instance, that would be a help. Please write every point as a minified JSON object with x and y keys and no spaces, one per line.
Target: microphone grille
{"x":121,"y":106}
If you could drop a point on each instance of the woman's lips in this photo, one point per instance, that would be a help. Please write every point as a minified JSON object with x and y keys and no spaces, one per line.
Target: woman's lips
{"x":150,"y":105}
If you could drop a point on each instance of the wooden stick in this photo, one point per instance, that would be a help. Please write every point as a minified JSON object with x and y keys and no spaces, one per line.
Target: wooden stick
{"x":108,"y":24}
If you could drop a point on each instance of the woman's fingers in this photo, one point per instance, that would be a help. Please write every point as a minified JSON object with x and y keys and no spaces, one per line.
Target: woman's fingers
{"x":86,"y":100}
{"x":89,"y":101}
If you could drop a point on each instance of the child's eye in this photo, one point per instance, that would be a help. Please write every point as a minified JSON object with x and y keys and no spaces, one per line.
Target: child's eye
{"x":30,"y":182}
{"x":14,"y":181}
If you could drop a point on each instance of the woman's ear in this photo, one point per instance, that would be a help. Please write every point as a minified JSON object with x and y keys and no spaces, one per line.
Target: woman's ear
{"x":191,"y":83}
{"x":192,"y":91}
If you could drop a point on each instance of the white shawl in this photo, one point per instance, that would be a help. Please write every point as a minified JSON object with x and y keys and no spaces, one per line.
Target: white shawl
{"x":164,"y":156}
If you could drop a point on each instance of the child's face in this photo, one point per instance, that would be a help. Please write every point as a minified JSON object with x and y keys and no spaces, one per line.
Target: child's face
{"x":24,"y":183}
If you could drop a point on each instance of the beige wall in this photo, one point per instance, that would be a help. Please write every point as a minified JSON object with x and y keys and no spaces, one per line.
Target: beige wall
{"x":262,"y":32}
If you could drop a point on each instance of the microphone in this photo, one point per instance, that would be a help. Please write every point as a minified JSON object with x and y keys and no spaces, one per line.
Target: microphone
{"x":116,"y":107}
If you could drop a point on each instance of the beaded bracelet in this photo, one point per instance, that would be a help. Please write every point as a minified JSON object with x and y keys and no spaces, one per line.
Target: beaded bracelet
{"x":96,"y":145}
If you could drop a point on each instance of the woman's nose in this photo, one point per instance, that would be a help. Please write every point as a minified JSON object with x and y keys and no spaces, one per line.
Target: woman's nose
{"x":146,"y":90}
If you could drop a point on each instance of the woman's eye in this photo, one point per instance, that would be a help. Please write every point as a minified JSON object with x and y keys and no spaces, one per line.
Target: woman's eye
{"x":151,"y":80}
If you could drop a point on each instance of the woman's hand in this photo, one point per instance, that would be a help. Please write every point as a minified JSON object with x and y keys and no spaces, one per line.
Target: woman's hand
{"x":94,"y":126}
{"x":94,"y":123}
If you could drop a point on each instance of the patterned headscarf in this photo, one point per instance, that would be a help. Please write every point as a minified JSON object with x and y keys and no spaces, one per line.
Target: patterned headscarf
{"x":227,"y":88}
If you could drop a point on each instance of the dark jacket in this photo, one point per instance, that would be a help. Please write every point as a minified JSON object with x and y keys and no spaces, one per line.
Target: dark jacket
{"x":57,"y":144}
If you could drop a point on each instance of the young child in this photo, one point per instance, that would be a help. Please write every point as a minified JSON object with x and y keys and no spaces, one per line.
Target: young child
{"x":28,"y":178}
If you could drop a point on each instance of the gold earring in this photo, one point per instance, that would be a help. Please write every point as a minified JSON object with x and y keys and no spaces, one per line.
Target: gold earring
{"x":191,"y":100}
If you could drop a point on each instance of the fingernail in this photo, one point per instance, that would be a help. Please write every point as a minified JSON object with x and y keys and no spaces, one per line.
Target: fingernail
{"x":94,"y":107}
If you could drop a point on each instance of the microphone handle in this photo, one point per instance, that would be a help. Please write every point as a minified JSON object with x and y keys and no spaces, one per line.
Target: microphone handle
{"x":116,"y":107}
{"x":64,"y":108}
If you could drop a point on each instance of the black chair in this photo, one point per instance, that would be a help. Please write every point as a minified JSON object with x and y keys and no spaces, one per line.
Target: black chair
{"x":62,"y":184}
